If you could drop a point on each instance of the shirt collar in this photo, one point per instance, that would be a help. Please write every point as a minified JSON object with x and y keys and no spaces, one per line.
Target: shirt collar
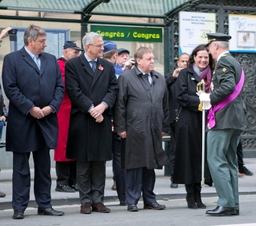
{"x":88,"y":58}
{"x":221,"y":55}
{"x":142,"y":71}
{"x":29,"y":53}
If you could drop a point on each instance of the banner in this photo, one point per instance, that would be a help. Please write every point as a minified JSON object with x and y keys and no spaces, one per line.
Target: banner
{"x":242,"y":28}
{"x":132,"y":34}
{"x":193,"y":27}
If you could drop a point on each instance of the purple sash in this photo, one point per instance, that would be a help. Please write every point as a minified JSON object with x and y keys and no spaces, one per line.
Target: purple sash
{"x":211,"y":115}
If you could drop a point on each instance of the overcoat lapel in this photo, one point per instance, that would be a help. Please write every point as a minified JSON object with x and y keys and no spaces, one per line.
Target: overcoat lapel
{"x":194,"y":77}
{"x":29,"y":60}
{"x":43,"y":63}
{"x":86,"y":66}
{"x":98,"y":72}
{"x":144,"y":83}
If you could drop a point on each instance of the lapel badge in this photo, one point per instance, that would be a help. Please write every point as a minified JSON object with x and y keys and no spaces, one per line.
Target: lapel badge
{"x":224,"y":69}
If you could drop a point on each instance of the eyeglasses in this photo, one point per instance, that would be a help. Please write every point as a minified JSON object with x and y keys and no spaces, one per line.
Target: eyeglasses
{"x":98,"y":46}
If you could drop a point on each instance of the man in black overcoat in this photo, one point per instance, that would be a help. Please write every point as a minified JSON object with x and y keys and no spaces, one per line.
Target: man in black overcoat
{"x":32,"y":82}
{"x":92,"y":87}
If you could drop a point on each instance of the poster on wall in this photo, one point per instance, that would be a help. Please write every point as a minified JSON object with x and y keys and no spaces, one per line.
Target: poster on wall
{"x":242,"y":28}
{"x":56,"y":39}
{"x":193,"y":27}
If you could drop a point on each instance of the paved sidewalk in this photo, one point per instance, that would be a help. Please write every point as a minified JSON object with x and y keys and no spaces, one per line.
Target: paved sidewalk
{"x":247,"y":185}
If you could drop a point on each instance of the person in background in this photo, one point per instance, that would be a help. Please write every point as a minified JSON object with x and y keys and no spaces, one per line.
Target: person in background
{"x":242,"y":169}
{"x":171,"y":78}
{"x":3,"y":116}
{"x":92,"y":88}
{"x":225,"y":123}
{"x":65,"y":168}
{"x":123,"y":61}
{"x":110,"y":54}
{"x":32,"y":83}
{"x":141,"y":118}
{"x":188,"y":154}
{"x":3,"y":34}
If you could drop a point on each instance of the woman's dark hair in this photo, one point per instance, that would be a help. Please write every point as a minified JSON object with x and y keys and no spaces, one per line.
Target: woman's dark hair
{"x":194,"y":53}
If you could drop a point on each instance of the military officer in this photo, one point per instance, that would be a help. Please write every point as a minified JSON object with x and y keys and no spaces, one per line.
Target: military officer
{"x":225,"y":124}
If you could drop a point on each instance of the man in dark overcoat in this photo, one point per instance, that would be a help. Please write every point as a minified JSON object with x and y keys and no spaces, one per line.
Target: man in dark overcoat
{"x":32,"y":82}
{"x":223,"y":136}
{"x":92,"y":88}
{"x":141,"y":118}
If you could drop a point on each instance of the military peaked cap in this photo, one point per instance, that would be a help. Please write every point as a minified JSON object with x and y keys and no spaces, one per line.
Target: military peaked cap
{"x":214,"y":37}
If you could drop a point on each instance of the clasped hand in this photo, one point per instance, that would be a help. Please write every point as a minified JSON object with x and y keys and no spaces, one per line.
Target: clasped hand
{"x":97,"y":112}
{"x":39,"y":113}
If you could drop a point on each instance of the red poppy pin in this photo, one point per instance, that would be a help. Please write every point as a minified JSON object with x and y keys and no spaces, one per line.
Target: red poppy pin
{"x":100,"y":68}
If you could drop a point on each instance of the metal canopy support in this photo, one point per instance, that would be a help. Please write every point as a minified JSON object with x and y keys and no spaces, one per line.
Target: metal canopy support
{"x":89,"y":8}
{"x":167,"y":49}
{"x":169,"y":22}
{"x":169,"y":15}
{"x":87,"y":14}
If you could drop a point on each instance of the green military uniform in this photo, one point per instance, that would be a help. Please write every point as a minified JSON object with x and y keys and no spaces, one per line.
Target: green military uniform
{"x":222,"y":139}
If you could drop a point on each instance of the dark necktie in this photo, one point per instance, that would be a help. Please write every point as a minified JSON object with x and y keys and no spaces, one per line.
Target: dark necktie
{"x":93,"y":65}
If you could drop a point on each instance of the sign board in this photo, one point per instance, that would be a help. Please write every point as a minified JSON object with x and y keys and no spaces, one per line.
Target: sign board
{"x":193,"y":27}
{"x":132,"y":34}
{"x":242,"y":28}
{"x":55,"y":40}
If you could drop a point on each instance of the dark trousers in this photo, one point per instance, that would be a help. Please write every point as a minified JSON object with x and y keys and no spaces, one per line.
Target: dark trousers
{"x":91,"y":178}
{"x":21,"y":179}
{"x":119,"y":173}
{"x":239,"y":152}
{"x":66,"y":173}
{"x":172,"y":147}
{"x":137,"y":181}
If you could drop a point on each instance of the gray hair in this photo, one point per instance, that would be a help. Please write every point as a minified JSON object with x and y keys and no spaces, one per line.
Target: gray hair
{"x":223,"y":45}
{"x":140,"y":52}
{"x":89,"y":37}
{"x":32,"y":32}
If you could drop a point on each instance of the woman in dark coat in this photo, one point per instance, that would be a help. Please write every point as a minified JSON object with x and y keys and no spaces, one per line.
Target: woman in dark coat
{"x":188,"y":156}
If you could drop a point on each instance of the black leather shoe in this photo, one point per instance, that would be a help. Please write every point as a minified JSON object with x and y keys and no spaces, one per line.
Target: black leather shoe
{"x":173,"y":185}
{"x":2,"y":194}
{"x":50,"y":212}
{"x":132,"y":208}
{"x":245,"y":171}
{"x":75,"y":187}
{"x":237,"y":213}
{"x":64,"y":188}
{"x":222,"y":211}
{"x":154,"y":206}
{"x":18,"y":214}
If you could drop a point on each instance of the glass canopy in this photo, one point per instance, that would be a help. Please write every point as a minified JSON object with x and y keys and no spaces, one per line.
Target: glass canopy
{"x":141,"y":8}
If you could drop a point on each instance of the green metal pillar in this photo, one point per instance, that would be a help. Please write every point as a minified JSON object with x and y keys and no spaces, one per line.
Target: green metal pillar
{"x":166,"y":70}
{"x":84,"y":29}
